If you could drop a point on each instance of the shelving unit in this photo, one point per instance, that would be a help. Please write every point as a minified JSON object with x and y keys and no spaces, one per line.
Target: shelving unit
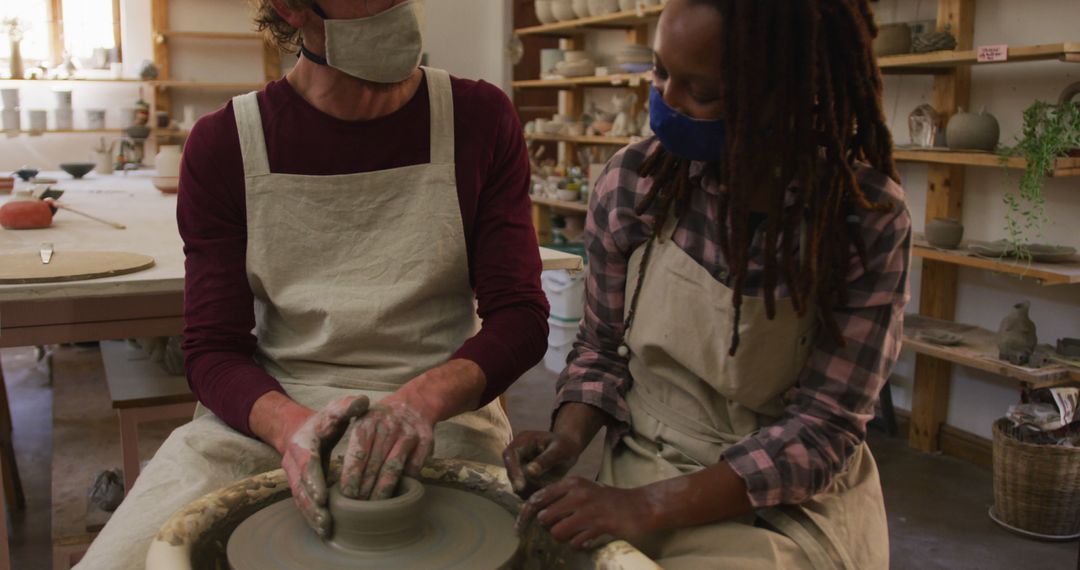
{"x":1064,"y":273}
{"x":1069,"y":166}
{"x":166,"y":35}
{"x":979,"y":350}
{"x":946,"y":61}
{"x":573,"y":35}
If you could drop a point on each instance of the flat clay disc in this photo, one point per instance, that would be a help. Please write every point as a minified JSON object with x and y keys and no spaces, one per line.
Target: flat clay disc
{"x":18,"y":268}
{"x":461,"y":530}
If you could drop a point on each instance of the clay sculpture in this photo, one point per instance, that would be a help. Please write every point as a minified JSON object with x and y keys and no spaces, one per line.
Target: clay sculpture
{"x":1016,"y":336}
{"x":970,"y":131}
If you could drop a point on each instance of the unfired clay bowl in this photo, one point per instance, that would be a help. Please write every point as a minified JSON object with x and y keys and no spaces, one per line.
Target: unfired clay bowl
{"x":377,"y":525}
{"x":195,"y":537}
{"x":941,"y":337}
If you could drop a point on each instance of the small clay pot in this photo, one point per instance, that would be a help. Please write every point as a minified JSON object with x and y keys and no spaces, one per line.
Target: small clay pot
{"x":968,"y":131}
{"x":378,"y":525}
{"x":892,"y":39}
{"x":944,"y":233}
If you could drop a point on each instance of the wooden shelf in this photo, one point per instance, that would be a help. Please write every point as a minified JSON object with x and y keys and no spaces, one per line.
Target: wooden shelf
{"x":208,"y":85}
{"x":1067,"y":166}
{"x":614,"y":141}
{"x":574,"y":27}
{"x":157,"y":132}
{"x":1066,"y":273}
{"x":944,"y":61}
{"x":559,"y":205}
{"x":178,"y":34}
{"x":555,"y":259}
{"x":613,"y":80}
{"x":979,"y":350}
{"x":76,"y":80}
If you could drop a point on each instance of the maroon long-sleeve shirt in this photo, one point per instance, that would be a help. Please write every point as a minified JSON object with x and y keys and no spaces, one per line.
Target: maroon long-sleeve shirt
{"x":492,"y":183}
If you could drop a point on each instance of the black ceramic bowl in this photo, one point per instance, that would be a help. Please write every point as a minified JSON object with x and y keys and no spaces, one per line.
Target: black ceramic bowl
{"x":77,"y":169}
{"x":26,"y":174}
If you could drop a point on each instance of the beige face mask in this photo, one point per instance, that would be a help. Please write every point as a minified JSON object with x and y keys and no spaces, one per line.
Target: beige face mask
{"x":384,"y":48}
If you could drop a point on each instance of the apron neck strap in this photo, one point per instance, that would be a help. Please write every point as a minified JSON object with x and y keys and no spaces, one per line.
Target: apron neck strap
{"x":252,"y":141}
{"x":441,"y":95}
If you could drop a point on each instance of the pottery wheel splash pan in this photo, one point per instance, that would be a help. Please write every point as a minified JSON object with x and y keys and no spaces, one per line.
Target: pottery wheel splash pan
{"x":459,"y":530}
{"x":26,"y":267}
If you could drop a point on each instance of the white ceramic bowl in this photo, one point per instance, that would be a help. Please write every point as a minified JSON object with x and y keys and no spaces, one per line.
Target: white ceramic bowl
{"x":581,"y":8}
{"x":563,"y":10}
{"x":167,"y":184}
{"x":603,"y":7}
{"x":575,"y":55}
{"x":568,"y":195}
{"x":543,"y":12}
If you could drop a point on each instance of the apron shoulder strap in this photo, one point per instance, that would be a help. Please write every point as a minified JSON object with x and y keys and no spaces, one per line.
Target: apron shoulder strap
{"x":441,"y":95}
{"x":252,"y":141}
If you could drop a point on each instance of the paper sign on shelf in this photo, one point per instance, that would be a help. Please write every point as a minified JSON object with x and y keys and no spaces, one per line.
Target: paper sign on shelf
{"x":998,"y":52}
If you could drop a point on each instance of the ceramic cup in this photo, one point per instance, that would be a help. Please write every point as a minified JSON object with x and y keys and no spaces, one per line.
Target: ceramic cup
{"x":116,"y":69}
{"x":63,"y":98}
{"x":10,"y":97}
{"x":11,"y":119}
{"x":95,"y":120}
{"x":39,"y":119}
{"x":65,"y":119}
{"x":103,"y":162}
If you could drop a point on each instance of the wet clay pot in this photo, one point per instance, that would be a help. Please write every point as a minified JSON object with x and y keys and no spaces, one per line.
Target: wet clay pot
{"x":892,"y":39}
{"x":377,"y":525}
{"x":970,"y":131}
{"x":944,"y":233}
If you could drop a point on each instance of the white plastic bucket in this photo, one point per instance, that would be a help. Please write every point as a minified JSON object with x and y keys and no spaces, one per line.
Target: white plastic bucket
{"x":555,"y":357}
{"x":565,"y":293}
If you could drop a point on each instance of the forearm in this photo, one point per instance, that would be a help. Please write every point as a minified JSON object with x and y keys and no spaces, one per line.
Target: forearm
{"x":443,"y":392}
{"x":274,"y":416}
{"x":713,"y":494}
{"x":579,"y":422}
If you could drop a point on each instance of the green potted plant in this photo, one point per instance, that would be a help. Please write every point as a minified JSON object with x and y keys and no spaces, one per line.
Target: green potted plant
{"x":1050,"y":131}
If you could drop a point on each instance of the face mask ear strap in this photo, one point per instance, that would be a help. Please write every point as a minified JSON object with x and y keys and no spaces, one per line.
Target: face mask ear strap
{"x":319,"y":11}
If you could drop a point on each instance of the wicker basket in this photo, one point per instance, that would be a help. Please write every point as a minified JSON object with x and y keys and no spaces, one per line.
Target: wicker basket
{"x":1036,"y":487}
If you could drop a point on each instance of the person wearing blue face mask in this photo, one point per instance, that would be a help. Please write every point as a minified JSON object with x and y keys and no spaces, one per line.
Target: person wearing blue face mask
{"x":747,"y":279}
{"x":343,"y":228}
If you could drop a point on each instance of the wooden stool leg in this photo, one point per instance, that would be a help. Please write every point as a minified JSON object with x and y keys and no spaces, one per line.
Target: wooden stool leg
{"x":13,"y":490}
{"x":5,"y":559}
{"x":129,"y":447}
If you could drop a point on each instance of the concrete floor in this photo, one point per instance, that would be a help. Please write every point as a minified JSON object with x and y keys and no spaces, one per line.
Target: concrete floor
{"x":936,"y":505}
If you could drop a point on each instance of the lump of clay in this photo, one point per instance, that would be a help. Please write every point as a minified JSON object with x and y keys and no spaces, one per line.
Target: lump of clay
{"x":26,"y":215}
{"x":1016,"y":336}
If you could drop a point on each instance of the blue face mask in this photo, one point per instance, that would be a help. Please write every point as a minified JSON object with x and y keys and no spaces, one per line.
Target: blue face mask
{"x":683,"y":136}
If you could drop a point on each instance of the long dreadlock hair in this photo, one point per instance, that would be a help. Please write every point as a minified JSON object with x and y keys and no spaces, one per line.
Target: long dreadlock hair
{"x":802,"y":99}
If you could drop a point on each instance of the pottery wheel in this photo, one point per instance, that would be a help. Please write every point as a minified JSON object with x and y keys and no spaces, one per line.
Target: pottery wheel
{"x":460,"y":530}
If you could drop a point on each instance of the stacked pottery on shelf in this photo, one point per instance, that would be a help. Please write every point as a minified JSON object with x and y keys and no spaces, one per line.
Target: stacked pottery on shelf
{"x":603,"y":7}
{"x":627,"y":5}
{"x":634,"y":58}
{"x":563,"y":10}
{"x":576,"y":63}
{"x":10,"y":117}
{"x":892,"y":39}
{"x":544,"y":12}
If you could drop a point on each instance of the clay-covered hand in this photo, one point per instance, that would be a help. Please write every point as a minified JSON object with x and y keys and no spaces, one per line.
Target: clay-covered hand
{"x":586,"y":513}
{"x":307,"y":449}
{"x":392,"y":439}
{"x":537,"y":458}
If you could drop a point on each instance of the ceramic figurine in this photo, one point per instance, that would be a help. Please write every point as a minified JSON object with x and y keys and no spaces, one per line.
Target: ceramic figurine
{"x":148,"y":71}
{"x":968,"y":131}
{"x":1016,"y":338}
{"x":923,"y":125}
{"x":623,"y":125}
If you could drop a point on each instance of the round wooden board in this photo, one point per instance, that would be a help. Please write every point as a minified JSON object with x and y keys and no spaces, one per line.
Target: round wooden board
{"x":26,"y":267}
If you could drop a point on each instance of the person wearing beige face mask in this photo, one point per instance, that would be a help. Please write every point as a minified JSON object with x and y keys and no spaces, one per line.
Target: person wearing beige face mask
{"x":338,"y":226}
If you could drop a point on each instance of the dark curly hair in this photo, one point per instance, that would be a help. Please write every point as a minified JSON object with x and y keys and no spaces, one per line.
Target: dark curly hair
{"x":274,"y":27}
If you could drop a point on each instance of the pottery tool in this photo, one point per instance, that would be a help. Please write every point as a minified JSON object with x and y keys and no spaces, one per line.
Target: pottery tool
{"x":116,"y":225}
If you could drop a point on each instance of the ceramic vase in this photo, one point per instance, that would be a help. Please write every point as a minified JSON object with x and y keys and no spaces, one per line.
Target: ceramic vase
{"x":167,"y":161}
{"x":892,"y":39}
{"x":16,"y":60}
{"x":1016,"y":336}
{"x":968,"y":131}
{"x":103,"y":162}
{"x":944,"y":233}
{"x":10,"y":97}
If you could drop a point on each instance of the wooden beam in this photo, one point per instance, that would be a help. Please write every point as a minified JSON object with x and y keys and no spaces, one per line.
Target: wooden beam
{"x":159,"y":18}
{"x":945,"y":199}
{"x":56,"y":31}
{"x":117,"y":32}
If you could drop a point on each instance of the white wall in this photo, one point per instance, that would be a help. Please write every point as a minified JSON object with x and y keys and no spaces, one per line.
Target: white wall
{"x":984,"y":298}
{"x":466,"y":37}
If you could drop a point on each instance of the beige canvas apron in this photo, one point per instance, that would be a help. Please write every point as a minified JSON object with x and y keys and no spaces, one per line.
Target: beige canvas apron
{"x":689,"y":401}
{"x":361,"y":283}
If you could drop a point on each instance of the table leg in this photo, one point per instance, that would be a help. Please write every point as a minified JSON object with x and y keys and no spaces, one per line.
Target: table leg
{"x":129,"y":447}
{"x":13,"y":489}
{"x":5,"y":559}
